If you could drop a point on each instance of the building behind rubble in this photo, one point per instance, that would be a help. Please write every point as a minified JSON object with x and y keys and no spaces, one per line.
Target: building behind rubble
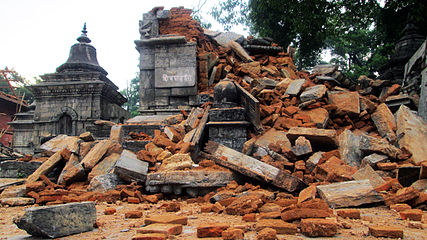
{"x":70,"y":100}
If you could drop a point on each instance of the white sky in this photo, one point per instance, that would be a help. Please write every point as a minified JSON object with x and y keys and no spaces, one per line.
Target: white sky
{"x":36,"y":35}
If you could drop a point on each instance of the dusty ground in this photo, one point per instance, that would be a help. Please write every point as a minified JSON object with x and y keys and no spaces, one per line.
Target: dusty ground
{"x":117,"y":227}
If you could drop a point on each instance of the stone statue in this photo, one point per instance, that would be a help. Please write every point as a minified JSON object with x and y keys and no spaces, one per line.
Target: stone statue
{"x":149,"y":25}
{"x":145,"y":28}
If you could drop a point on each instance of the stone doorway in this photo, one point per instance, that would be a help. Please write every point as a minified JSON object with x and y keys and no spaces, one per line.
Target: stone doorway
{"x":65,"y":125}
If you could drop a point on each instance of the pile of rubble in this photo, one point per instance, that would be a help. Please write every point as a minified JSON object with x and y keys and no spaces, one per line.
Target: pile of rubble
{"x":321,"y":143}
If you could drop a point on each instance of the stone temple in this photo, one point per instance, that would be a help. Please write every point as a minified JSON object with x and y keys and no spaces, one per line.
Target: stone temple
{"x":70,"y":100}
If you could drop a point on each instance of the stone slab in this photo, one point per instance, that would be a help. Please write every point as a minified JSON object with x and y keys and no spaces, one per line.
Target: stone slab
{"x":105,"y":166}
{"x":251,"y":105}
{"x":17,"y":201}
{"x":349,"y":194}
{"x":346,"y":102}
{"x":7,"y":182}
{"x":367,"y":172}
{"x":317,"y":137}
{"x":129,"y":167}
{"x":175,"y":77}
{"x":96,"y":153}
{"x":223,"y":38}
{"x":384,"y":121}
{"x":17,"y":169}
{"x":349,"y":148}
{"x":314,"y":92}
{"x":103,"y":183}
{"x":413,"y":130}
{"x":72,"y":171}
{"x":47,"y":165}
{"x":373,"y":159}
{"x":59,"y":142}
{"x":191,"y":178}
{"x":59,"y":220}
{"x":295,"y":87}
{"x":369,"y":145}
{"x":252,"y":167}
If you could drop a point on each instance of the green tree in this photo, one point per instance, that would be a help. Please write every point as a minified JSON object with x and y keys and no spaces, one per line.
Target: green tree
{"x":197,"y":14}
{"x":361,"y":34}
{"x":131,"y":92}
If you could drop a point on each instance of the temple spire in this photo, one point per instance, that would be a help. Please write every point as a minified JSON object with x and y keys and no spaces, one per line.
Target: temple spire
{"x":83,"y":38}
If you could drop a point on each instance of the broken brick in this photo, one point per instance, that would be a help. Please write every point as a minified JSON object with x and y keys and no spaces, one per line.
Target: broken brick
{"x":349,"y":213}
{"x":211,"y":230}
{"x":133,"y":214}
{"x":386,"y":231}
{"x":315,"y":227}
{"x":412,"y":214}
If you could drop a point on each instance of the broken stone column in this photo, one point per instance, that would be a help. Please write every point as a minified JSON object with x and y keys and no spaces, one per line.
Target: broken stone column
{"x":59,"y":220}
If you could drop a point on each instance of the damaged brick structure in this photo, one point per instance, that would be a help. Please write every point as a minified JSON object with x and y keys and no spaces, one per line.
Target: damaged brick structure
{"x":167,"y":67}
{"x":315,"y":144}
{"x":70,"y":100}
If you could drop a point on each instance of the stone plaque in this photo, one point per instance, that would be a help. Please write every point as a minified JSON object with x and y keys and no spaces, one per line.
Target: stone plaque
{"x":175,"y":77}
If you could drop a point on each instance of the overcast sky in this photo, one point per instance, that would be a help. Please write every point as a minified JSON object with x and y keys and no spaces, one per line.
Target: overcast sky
{"x":36,"y":35}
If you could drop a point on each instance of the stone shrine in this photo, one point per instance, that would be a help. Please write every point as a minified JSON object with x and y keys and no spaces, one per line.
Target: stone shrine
{"x":70,"y":100}
{"x":407,"y":45}
{"x":168,"y":67}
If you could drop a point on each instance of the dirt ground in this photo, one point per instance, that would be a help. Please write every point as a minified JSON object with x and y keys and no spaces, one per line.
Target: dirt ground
{"x":118,"y":227}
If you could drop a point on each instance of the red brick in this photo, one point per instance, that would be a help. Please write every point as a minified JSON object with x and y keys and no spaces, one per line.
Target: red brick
{"x":109,"y":211}
{"x":233,"y":234}
{"x":400,"y":207}
{"x":393,"y":184}
{"x":307,"y":194}
{"x":133,"y":214}
{"x":402,"y":195}
{"x":167,"y":229}
{"x":291,"y":110}
{"x":37,"y":186}
{"x":269,"y":215}
{"x":270,"y":207}
{"x":388,"y":166}
{"x":150,"y":236}
{"x":386,"y":231}
{"x":151,"y":198}
{"x":33,"y":194}
{"x":244,"y":205}
{"x":206,"y":208}
{"x":349,"y":213}
{"x":169,"y":219}
{"x":211,"y":230}
{"x":285,"y":202}
{"x":217,"y":208}
{"x":412,"y":214}
{"x":280,"y":226}
{"x":173,"y":207}
{"x":267,"y":234}
{"x":300,"y":213}
{"x":133,"y":200}
{"x":318,"y":227}
{"x":250,"y":217}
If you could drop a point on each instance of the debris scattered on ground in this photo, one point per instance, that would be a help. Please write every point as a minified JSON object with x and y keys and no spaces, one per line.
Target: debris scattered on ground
{"x":321,"y":143}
